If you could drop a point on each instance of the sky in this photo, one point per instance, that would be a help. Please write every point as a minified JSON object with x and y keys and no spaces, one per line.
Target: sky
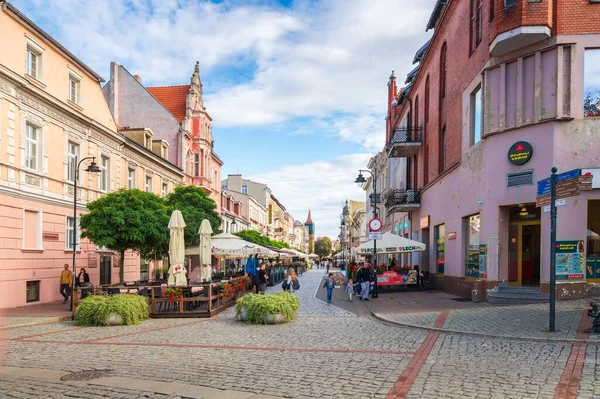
{"x":297,"y":89}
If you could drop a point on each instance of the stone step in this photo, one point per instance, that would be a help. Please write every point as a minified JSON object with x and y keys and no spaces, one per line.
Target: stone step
{"x":524,"y":290}
{"x":512,"y":297}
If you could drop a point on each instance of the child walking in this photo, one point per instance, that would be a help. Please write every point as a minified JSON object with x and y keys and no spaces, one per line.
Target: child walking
{"x":330,"y":285}
{"x":350,"y":290}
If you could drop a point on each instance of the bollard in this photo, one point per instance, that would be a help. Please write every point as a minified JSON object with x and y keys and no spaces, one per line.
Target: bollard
{"x":595,"y":313}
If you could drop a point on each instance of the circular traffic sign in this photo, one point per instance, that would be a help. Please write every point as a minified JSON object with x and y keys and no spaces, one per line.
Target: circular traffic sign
{"x":375,"y":224}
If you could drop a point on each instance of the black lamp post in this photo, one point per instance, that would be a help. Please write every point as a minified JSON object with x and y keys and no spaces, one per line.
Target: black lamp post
{"x":94,"y":168}
{"x":342,"y":242}
{"x":361,"y":180}
{"x":232,"y":225}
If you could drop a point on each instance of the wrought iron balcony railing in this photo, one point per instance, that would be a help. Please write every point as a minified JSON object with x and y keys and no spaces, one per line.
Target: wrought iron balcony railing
{"x":403,"y":199}
{"x":407,"y":135}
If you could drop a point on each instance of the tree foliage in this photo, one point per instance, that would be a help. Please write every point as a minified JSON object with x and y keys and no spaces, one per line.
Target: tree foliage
{"x":255,"y":237}
{"x":591,"y":105}
{"x":126,"y":219}
{"x":323,"y":246}
{"x":195,"y":205}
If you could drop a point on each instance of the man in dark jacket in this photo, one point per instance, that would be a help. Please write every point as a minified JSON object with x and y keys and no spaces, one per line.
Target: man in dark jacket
{"x":262,"y":278}
{"x":364,"y":278}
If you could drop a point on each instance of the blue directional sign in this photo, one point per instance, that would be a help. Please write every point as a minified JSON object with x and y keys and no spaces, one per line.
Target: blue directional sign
{"x":543,"y":186}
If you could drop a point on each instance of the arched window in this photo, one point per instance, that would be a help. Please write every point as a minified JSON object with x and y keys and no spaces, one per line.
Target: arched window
{"x":443,"y":71}
{"x":426,"y":100}
{"x":417,"y":112}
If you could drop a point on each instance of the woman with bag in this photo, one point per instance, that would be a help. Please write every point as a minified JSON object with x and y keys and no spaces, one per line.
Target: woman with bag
{"x":291,"y":283}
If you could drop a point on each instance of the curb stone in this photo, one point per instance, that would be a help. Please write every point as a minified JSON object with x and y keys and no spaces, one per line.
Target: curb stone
{"x":50,"y":320}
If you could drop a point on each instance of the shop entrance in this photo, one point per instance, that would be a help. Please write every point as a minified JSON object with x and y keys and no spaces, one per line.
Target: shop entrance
{"x":105,"y":270}
{"x":524,"y":235}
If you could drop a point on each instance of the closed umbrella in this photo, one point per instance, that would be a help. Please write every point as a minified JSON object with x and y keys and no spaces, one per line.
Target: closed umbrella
{"x":205,"y":251}
{"x":177,"y":270}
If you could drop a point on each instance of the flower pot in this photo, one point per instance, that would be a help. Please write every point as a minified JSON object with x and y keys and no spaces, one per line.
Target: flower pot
{"x":115,"y":320}
{"x":243,"y":314}
{"x":275,"y":318}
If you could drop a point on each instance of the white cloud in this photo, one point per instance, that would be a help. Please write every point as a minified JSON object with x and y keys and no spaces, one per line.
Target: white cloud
{"x":320,"y":186}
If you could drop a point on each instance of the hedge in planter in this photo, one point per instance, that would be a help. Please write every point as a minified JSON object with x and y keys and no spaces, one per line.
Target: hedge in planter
{"x":263,"y":309}
{"x":126,"y":309}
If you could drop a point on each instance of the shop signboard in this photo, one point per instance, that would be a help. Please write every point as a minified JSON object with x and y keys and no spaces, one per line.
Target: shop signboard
{"x":472,"y":268}
{"x":483,"y":261}
{"x":592,"y":268}
{"x":424,"y":222}
{"x":570,"y":260}
{"x":391,"y":277}
{"x":567,"y":185}
{"x":520,"y":153}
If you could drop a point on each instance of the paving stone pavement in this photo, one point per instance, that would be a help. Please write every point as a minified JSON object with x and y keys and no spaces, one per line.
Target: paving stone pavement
{"x":328,"y":352}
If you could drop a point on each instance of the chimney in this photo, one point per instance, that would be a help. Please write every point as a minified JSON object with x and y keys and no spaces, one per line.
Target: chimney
{"x":138,"y":78}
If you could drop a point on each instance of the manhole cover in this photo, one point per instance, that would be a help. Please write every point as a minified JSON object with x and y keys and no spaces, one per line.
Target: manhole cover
{"x":86,"y":375}
{"x":408,"y":302}
{"x":461,"y":299}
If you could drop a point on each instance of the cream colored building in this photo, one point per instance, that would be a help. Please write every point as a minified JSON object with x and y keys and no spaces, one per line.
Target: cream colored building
{"x":52,"y":110}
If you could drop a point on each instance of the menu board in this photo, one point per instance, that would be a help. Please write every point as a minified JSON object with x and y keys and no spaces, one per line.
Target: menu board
{"x":592,"y":268}
{"x":483,"y":261}
{"x":570,"y":260}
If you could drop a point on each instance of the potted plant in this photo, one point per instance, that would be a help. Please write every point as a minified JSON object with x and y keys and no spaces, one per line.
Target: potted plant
{"x":122,"y":309}
{"x":267,"y":309}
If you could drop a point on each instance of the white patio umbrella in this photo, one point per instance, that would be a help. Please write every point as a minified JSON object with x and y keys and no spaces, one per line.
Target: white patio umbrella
{"x":205,"y":251}
{"x":177,"y":270}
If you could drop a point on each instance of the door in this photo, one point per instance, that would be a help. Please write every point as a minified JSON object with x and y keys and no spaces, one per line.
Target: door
{"x":105,"y":270}
{"x":524,"y":253}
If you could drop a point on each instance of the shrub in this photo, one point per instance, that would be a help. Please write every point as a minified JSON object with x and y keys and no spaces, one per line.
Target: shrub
{"x":95,"y":310}
{"x":259,"y":306}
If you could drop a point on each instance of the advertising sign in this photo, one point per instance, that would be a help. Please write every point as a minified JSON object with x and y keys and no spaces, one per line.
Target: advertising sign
{"x":570,"y":260}
{"x":592,"y":268}
{"x":391,"y":277}
{"x":483,"y":261}
{"x":520,"y":153}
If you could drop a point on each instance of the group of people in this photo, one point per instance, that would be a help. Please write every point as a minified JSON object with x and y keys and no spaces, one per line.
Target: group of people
{"x":325,"y":264}
{"x":362,"y":287}
{"x":66,"y":281}
{"x":261,"y":278}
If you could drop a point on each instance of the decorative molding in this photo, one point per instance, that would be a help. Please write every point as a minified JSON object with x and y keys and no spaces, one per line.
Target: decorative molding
{"x":33,"y":180}
{"x":33,"y":103}
{"x":106,"y":141}
{"x":33,"y":117}
{"x":137,"y":158}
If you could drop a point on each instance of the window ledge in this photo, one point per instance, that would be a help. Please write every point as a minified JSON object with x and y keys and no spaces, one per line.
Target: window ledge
{"x":70,"y":251}
{"x":32,"y":249}
{"x":35,"y":81}
{"x":75,"y":105}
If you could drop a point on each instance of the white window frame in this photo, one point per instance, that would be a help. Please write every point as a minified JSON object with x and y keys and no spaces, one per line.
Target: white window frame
{"x":76,"y":79}
{"x":31,"y":142}
{"x":164,"y":189}
{"x":71,"y":173}
{"x":473,"y":125}
{"x":69,"y":234}
{"x":196,"y":170}
{"x":165,"y":151}
{"x":36,"y":50}
{"x":104,"y":177}
{"x":245,"y":189}
{"x":131,"y":178}
{"x":148,"y":186}
{"x":39,"y":229}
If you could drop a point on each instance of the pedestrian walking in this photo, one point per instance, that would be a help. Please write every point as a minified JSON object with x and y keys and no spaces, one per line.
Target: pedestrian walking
{"x":291,"y":283}
{"x":350,"y":290}
{"x":364,"y":278}
{"x":263,"y":277}
{"x":330,"y":285}
{"x":66,"y":279}
{"x":328,"y":263}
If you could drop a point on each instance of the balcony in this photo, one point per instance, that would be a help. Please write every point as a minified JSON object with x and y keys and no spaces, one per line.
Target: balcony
{"x":405,"y":143}
{"x":403,"y":200}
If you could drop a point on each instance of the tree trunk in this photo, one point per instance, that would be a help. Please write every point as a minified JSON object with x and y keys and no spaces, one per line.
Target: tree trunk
{"x":122,"y":267}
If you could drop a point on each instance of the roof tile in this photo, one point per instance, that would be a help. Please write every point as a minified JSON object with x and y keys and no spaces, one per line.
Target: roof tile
{"x":173,"y":98}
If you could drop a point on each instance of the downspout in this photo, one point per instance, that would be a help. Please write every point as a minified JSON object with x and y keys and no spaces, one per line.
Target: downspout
{"x":408,"y":135}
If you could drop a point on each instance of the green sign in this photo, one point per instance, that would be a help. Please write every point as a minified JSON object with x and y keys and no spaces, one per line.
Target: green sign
{"x":483,"y":261}
{"x":569,"y":260}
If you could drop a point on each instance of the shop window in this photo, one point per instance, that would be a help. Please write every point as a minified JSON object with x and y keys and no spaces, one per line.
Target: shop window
{"x":472,"y":225}
{"x":33,"y":291}
{"x":440,"y":247}
{"x":593,"y":240}
{"x":591,"y":83}
{"x":476,"y":116}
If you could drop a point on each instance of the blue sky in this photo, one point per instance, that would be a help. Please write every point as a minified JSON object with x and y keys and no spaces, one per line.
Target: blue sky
{"x":296,"y":88}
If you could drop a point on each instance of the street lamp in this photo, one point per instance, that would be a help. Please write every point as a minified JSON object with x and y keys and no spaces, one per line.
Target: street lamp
{"x":232,"y":226}
{"x":342,"y":242}
{"x":93,"y":168}
{"x":361,"y":180}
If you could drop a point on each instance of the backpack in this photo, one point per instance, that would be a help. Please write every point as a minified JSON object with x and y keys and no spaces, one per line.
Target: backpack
{"x":296,"y":285}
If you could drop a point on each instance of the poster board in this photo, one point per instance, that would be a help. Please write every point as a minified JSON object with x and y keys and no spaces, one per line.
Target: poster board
{"x":570,"y":260}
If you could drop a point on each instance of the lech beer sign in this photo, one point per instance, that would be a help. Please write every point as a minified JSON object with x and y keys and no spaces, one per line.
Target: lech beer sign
{"x":520,"y":153}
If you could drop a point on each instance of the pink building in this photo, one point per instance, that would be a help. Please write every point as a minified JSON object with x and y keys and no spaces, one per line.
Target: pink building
{"x":490,"y":108}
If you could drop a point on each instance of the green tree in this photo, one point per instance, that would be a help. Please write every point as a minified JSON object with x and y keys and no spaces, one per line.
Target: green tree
{"x":195,"y":205}
{"x":323,"y":246}
{"x":127,"y":219}
{"x":254,"y":237}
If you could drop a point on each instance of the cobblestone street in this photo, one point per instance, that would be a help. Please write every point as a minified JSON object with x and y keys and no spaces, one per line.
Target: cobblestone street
{"x":328,"y":352}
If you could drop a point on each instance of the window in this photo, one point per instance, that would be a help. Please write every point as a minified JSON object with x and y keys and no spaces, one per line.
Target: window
{"x":472,"y":225}
{"x":509,"y":3}
{"x":443,"y":70}
{"x":591,"y":83}
{"x":165,"y":152}
{"x":148,"y":184}
{"x":74,"y":89}
{"x":32,"y":229}
{"x":476,"y":116}
{"x":31,"y":146}
{"x":439,"y":235}
{"x":224,"y":187}
{"x":244,"y":189}
{"x":426,"y":100}
{"x":130,"y":178}
{"x":69,"y":234}
{"x":476,"y":25}
{"x":33,"y":62}
{"x":104,"y":173}
{"x":417,"y":112}
{"x":426,"y":166}
{"x":33,"y":291}
{"x":72,"y":153}
{"x":442,"y":166}
{"x":164,"y":190}
{"x":148,"y":141}
{"x":492,"y":9}
{"x":196,"y":164}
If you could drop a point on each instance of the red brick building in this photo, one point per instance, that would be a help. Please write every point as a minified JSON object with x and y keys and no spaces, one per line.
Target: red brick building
{"x":494,"y":73}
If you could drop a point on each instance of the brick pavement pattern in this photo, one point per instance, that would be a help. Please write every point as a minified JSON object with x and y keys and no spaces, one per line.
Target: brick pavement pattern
{"x":333,"y":350}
